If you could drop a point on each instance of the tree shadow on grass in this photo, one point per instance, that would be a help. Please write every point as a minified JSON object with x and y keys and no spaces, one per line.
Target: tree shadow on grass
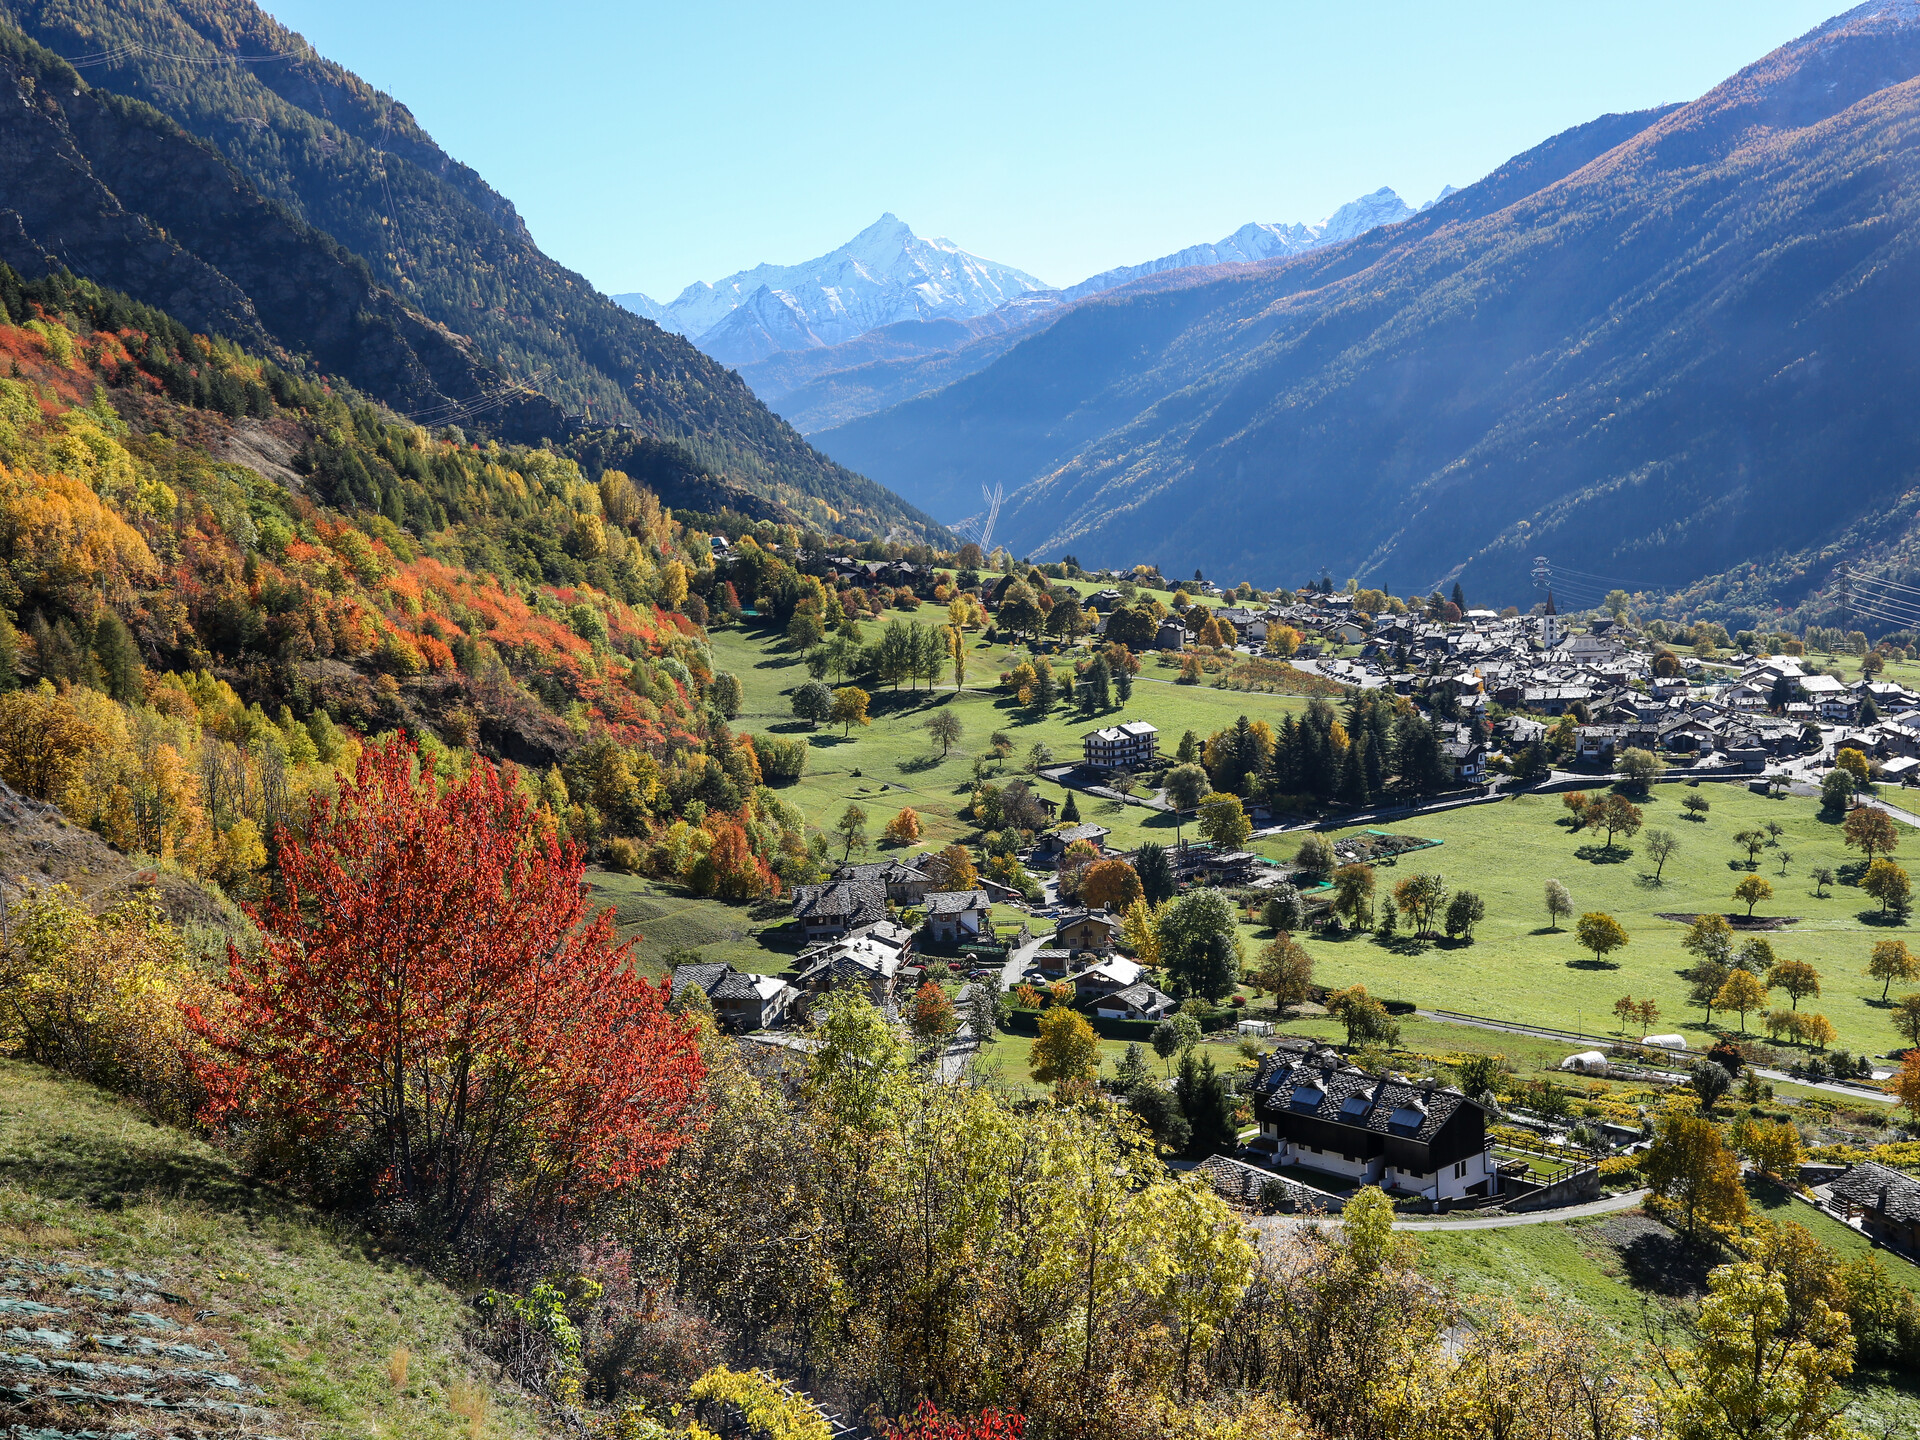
{"x":1879,"y":921}
{"x":1649,"y":882}
{"x":1549,"y":930}
{"x":1589,"y":963}
{"x":1603,"y":854}
{"x":1660,"y":1262}
{"x":916,"y":764}
{"x":791,"y":727}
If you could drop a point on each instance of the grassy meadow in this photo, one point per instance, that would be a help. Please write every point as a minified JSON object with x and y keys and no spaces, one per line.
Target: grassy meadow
{"x":893,"y":763}
{"x":1519,"y":969}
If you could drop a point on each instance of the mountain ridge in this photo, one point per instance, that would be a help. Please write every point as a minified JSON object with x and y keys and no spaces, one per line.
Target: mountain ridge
{"x":883,"y":275}
{"x":352,"y":164}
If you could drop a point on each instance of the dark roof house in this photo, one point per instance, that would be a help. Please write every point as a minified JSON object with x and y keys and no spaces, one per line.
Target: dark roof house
{"x":838,"y":906}
{"x":1886,"y":1202}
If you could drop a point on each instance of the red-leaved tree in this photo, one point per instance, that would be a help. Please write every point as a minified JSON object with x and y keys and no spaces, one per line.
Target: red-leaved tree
{"x":434,"y":1022}
{"x":929,"y":1422}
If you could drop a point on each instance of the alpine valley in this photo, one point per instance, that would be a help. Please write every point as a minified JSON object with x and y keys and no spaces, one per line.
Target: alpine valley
{"x":1668,"y":348}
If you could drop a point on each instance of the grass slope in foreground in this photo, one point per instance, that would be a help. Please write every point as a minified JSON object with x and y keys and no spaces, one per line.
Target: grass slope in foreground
{"x":308,"y":1304}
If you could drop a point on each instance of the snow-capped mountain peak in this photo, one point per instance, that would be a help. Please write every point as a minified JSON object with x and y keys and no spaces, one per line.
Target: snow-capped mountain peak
{"x":883,"y":275}
{"x":1268,"y":242}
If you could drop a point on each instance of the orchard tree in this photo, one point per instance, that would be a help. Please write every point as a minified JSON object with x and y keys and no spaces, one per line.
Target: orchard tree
{"x":1797,"y":978}
{"x":933,"y":1018}
{"x":1185,"y":785}
{"x":1906,"y":1019}
{"x":1871,"y":831}
{"x":1617,"y":815}
{"x":1559,"y":903}
{"x":1891,"y":961}
{"x":1600,"y":933}
{"x":1752,"y":890}
{"x":904,"y":828}
{"x":1888,"y":883}
{"x":1661,"y":845}
{"x":1710,"y":1080}
{"x":1696,"y":805}
{"x":1464,"y":911}
{"x":1743,"y":992}
{"x":1753,"y":841}
{"x":430,"y":995}
{"x":1836,"y":790}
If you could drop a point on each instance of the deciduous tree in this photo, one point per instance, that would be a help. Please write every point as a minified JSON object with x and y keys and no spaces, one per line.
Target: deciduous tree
{"x":1892,"y":960}
{"x":1871,"y":831}
{"x":431,"y":995}
{"x":1661,"y":845}
{"x":1752,"y":890}
{"x":1744,"y":991}
{"x":1689,"y":1164}
{"x":944,"y":726}
{"x":1600,"y":933}
{"x":850,"y":708}
{"x":1797,"y":978}
{"x":904,"y":828}
{"x":1066,"y":1055}
{"x":1284,"y":971}
{"x":1888,"y":883}
{"x":1559,"y":903}
{"x":1110,"y":884}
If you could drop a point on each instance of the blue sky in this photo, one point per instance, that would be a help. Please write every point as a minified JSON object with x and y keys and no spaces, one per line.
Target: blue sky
{"x":649,"y":145}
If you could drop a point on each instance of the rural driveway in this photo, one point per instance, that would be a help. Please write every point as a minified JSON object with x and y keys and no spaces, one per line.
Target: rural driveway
{"x":1267,"y":1224}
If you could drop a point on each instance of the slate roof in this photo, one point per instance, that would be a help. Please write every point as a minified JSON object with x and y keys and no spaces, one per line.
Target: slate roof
{"x":861,"y":902}
{"x":1141,"y":997}
{"x":956,"y":902}
{"x":1885,"y":1191}
{"x":1074,"y":917}
{"x":706,"y":975}
{"x":880,"y":872}
{"x":1346,"y":1095}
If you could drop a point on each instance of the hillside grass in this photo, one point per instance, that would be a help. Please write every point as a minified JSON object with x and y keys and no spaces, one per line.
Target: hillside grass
{"x":312,"y":1305}
{"x":898,"y":765}
{"x":1518,"y":969}
{"x":1585,"y":1270}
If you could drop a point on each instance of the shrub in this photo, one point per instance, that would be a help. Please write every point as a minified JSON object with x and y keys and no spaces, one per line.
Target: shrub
{"x":99,"y":997}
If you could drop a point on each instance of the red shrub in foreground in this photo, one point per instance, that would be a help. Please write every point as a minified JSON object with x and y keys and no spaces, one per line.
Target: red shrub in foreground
{"x":929,"y":1422}
{"x":432,"y":1007}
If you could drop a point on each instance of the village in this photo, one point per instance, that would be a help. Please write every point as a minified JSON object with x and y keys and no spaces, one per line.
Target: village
{"x":1522,"y":704}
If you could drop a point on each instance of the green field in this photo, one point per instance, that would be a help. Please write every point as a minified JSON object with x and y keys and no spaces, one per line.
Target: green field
{"x":1516,"y":969}
{"x":899,"y":765}
{"x":666,"y":918}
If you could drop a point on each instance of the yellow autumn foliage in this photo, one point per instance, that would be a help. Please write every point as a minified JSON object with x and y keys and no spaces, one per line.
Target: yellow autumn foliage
{"x":57,"y":535}
{"x":99,"y":996}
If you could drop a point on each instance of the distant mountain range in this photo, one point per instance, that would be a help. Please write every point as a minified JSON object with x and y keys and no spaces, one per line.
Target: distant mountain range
{"x":818,"y":385}
{"x":1672,"y":349}
{"x":884,"y":275}
{"x":202,"y":158}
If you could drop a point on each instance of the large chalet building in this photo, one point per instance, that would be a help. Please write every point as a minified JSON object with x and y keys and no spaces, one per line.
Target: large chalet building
{"x":1130,"y":745}
{"x":1321,"y":1113}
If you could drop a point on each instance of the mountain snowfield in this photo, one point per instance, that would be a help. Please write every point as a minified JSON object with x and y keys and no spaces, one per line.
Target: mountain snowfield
{"x":1255,"y":242}
{"x":882,"y":276}
{"x":887,"y":275}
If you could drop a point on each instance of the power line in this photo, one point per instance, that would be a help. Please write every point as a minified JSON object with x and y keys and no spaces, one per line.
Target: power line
{"x":1877,"y":580}
{"x":135,"y":47}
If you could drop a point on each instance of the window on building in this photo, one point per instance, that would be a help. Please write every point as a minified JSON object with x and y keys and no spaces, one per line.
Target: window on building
{"x":1460,"y":1170}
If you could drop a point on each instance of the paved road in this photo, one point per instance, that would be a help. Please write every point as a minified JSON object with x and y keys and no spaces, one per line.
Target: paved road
{"x":1267,"y":1224}
{"x":1516,"y":1028}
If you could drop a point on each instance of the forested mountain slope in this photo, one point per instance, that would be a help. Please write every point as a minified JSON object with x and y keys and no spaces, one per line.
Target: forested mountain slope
{"x":447,"y":276}
{"x":215,"y":575}
{"x":1656,"y":348}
